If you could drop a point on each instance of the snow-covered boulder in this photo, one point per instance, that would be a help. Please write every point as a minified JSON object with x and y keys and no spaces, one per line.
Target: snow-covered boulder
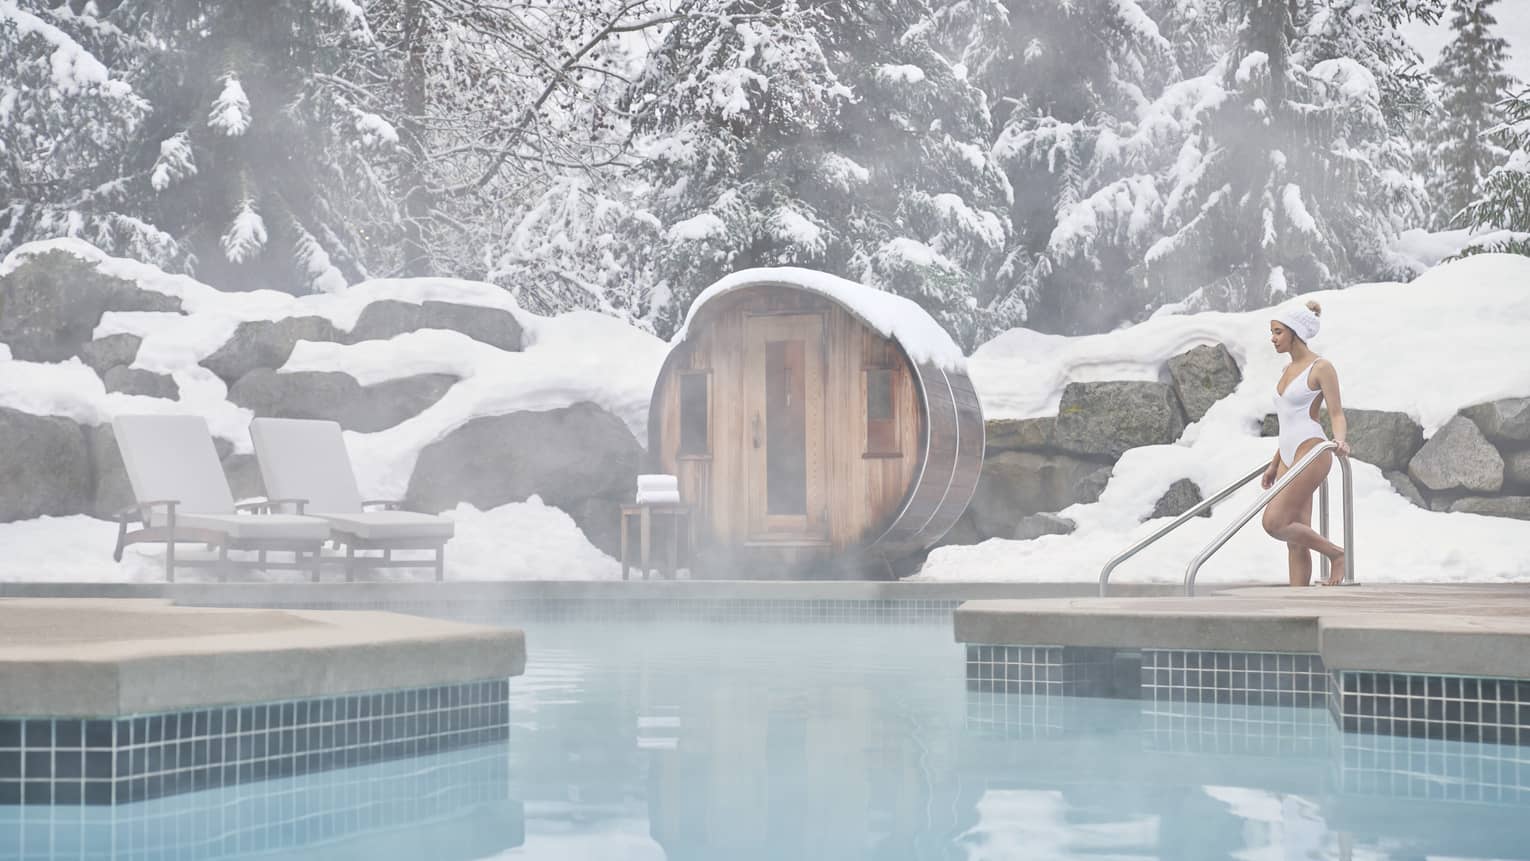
{"x":136,"y":381}
{"x":1181,"y":496}
{"x":580,"y":458}
{"x":1017,"y":484}
{"x":51,"y":303}
{"x":338,"y":397}
{"x":1517,"y":507}
{"x":1202,"y":376}
{"x":266,"y":344}
{"x":1387,"y":439}
{"x":1407,"y":489}
{"x":1458,"y":458}
{"x":111,"y":492}
{"x":44,"y":466}
{"x":1505,"y":421}
{"x":1019,"y":434}
{"x":1516,"y":470}
{"x":1104,"y":419}
{"x":103,"y":354}
{"x":386,"y":318}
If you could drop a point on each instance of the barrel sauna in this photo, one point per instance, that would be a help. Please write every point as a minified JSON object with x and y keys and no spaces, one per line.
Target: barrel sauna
{"x":817,"y":427}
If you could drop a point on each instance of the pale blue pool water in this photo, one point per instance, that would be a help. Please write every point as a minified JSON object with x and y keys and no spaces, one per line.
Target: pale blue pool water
{"x":752,"y":741}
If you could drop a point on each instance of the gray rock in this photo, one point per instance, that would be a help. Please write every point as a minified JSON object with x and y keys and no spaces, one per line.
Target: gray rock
{"x":136,"y":381}
{"x":336,"y":396}
{"x":103,"y":354}
{"x":1386,"y":439}
{"x":1106,"y":419}
{"x":1038,"y":525}
{"x":581,"y":459}
{"x":52,"y":302}
{"x":1202,"y":377}
{"x":388,"y":317}
{"x":1516,"y":468}
{"x":961,"y":534}
{"x":1458,"y":458}
{"x":44,"y":466}
{"x":1181,"y":496}
{"x":1502,"y":421}
{"x":243,"y":472}
{"x":1091,"y":486}
{"x":112,"y":490}
{"x":1017,"y":484}
{"x":1517,"y":507}
{"x":1405,"y":486}
{"x":1020,"y":434}
{"x":266,"y":344}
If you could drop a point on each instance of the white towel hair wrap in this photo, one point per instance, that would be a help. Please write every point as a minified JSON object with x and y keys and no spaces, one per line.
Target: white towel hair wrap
{"x":1300,"y":320}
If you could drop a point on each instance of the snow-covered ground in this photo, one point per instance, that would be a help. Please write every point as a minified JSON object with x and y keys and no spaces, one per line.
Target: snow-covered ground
{"x":580,"y":356}
{"x":1454,"y":337}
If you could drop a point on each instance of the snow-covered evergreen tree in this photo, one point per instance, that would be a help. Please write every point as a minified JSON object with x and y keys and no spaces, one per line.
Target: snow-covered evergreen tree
{"x":1472,"y":84}
{"x":837,"y":138}
{"x":66,"y":120}
{"x":1297,"y":172}
{"x":1504,"y":201}
{"x":1088,"y":125}
{"x":253,"y":162}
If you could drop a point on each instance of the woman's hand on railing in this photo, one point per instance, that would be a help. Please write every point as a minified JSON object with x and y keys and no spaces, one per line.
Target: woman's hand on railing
{"x":1343,"y":447}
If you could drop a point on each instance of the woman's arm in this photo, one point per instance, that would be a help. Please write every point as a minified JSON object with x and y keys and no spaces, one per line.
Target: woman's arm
{"x":1328,"y":381}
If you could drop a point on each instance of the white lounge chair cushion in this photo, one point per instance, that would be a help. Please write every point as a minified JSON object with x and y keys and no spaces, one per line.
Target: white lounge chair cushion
{"x":306,"y":459}
{"x":390,"y":524}
{"x":275,"y":527}
{"x":172,"y":457}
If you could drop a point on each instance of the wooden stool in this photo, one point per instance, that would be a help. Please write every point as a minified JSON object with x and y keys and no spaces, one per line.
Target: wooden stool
{"x":677,"y":514}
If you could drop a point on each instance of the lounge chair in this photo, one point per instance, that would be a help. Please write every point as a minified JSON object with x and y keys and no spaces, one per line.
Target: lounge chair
{"x":183,"y":497}
{"x":306,"y":459}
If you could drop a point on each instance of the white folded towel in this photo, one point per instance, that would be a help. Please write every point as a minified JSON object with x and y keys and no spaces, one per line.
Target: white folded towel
{"x":658,"y":497}
{"x":658,"y":482}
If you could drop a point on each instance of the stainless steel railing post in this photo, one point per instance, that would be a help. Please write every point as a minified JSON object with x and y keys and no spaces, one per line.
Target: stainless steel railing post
{"x":1323,"y":526}
{"x":1264,"y":499}
{"x":1179,"y":521}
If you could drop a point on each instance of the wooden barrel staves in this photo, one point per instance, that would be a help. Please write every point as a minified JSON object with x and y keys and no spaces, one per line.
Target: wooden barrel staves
{"x":815,"y":425}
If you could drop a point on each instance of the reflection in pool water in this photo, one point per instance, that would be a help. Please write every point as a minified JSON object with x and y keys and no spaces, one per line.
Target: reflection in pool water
{"x":751,"y":741}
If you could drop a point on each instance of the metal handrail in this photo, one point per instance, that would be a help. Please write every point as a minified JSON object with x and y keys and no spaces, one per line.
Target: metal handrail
{"x":1264,"y":499}
{"x":1181,"y":520}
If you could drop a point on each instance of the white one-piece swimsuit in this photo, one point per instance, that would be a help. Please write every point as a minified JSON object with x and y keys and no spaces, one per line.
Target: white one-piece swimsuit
{"x":1294,"y":409}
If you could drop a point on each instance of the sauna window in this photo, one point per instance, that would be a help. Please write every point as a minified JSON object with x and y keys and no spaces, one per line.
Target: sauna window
{"x":693,"y":414}
{"x":881,"y":415}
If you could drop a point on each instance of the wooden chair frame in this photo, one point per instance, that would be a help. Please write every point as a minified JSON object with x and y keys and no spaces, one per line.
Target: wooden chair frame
{"x":170,"y":534}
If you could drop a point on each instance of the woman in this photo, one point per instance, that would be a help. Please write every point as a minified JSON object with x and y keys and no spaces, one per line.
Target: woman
{"x":1307,"y":383}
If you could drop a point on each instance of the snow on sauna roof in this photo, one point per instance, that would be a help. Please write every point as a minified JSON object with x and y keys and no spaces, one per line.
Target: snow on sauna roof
{"x":888,"y":313}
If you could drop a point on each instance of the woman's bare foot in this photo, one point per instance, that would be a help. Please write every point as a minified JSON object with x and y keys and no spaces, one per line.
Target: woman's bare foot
{"x":1336,"y":569}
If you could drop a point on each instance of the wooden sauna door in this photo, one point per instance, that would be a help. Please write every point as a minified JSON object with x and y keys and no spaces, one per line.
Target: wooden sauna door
{"x":784,"y":428}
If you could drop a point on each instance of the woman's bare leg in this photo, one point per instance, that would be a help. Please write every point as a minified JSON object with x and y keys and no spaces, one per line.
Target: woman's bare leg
{"x":1299,"y":559}
{"x":1288,"y":516}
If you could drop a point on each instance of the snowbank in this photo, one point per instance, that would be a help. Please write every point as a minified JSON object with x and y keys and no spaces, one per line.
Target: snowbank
{"x":519,"y":541}
{"x":1453,"y":338}
{"x":580,"y":356}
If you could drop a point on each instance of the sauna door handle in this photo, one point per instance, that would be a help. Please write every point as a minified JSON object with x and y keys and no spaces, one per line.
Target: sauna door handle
{"x":754,"y":427}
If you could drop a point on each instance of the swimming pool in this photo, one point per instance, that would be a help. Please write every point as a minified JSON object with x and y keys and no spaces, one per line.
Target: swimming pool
{"x":844,"y":741}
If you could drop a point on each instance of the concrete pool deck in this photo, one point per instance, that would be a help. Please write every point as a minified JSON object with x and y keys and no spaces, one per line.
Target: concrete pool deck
{"x":1468,"y":630}
{"x":104,"y":657}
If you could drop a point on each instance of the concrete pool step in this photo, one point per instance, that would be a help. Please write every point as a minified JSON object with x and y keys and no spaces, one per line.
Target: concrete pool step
{"x":110,"y":657}
{"x":1468,"y":630}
